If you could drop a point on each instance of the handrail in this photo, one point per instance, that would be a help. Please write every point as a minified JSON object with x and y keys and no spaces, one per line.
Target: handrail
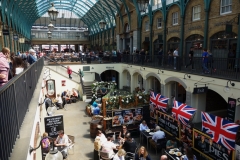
{"x":81,"y":78}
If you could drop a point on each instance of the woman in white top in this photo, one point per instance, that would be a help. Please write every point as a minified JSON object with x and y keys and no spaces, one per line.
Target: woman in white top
{"x":59,"y":101}
{"x":120,"y":155}
{"x":18,"y":66}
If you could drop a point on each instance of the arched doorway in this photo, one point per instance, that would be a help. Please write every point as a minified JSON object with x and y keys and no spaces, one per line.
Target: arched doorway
{"x":195,"y":41}
{"x":157,"y":44}
{"x":222,"y":44}
{"x":137,"y":81}
{"x":173,"y":43}
{"x":126,"y":80}
{"x":127,"y":46}
{"x":109,"y":75}
{"x":154,"y":84}
{"x":175,"y":91}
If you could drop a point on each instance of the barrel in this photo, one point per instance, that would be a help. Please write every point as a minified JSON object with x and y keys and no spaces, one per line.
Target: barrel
{"x":94,"y":126}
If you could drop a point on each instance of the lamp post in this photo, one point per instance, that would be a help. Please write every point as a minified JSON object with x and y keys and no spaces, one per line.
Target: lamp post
{"x":50,"y":26}
{"x":102,"y":24}
{"x":53,"y":154}
{"x":49,"y":33}
{"x":53,"y":13}
{"x":142,"y":5}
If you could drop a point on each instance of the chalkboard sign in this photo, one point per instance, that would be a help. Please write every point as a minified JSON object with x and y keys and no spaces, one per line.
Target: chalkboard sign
{"x":168,"y":124}
{"x":231,"y":109}
{"x":203,"y":144}
{"x":53,"y":124}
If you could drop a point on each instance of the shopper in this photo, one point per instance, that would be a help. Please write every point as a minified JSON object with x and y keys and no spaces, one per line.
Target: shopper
{"x":205,"y":61}
{"x":69,"y":71}
{"x":4,"y":66}
{"x":190,"y":55}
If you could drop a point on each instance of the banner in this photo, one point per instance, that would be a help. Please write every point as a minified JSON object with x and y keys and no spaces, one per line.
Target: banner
{"x":203,"y":144}
{"x":117,"y":118}
{"x":127,"y":117}
{"x":231,"y":109}
{"x":138,"y":115}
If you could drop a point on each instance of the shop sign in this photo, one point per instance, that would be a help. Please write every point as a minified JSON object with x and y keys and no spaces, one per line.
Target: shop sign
{"x":53,"y":124}
{"x":15,"y":37}
{"x":109,"y":67}
{"x":205,"y":146}
{"x":222,"y":23}
{"x":173,"y":31}
{"x":168,"y":124}
{"x":195,"y":27}
{"x":231,"y":109}
{"x":5,"y":32}
{"x":200,"y":90}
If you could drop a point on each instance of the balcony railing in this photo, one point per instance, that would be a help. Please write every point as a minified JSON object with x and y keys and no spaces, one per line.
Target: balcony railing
{"x":225,"y":68}
{"x":15,"y":97}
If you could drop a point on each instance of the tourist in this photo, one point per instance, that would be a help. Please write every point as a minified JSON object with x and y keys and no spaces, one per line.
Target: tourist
{"x":142,"y":154}
{"x":143,"y":126}
{"x":45,"y":143}
{"x":102,"y":137}
{"x":129,"y":145}
{"x":31,"y":56}
{"x":205,"y":61}
{"x":69,"y":71}
{"x":59,"y":102}
{"x":171,"y":143}
{"x":189,"y":155}
{"x":74,"y":94}
{"x":190,"y":56}
{"x":164,"y":157}
{"x":4,"y":66}
{"x":156,"y":136}
{"x":97,"y":147}
{"x":18,"y":66}
{"x":120,"y":155}
{"x":108,"y":147}
{"x":62,"y":142}
{"x":123,"y":132}
{"x":175,"y":55}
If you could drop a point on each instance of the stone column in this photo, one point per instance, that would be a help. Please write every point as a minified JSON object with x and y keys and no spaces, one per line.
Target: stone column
{"x":132,"y":83}
{"x":162,"y":89}
{"x":198,"y":102}
{"x":59,"y":47}
{"x":131,"y":45}
{"x":123,"y":44}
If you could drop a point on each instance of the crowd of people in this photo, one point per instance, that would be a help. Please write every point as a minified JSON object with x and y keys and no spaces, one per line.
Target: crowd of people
{"x":12,"y":64}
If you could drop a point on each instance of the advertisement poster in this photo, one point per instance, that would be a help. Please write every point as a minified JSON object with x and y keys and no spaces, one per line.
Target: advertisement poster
{"x":205,"y":146}
{"x":168,"y":124}
{"x":117,"y":118}
{"x":231,"y":109}
{"x":138,"y":115}
{"x":127,"y":117}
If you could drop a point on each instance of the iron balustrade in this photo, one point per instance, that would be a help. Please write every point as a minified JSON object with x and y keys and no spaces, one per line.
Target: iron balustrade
{"x":15,"y":97}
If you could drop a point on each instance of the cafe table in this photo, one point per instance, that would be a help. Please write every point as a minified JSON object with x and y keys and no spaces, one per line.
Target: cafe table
{"x":145,"y":134}
{"x":173,"y":154}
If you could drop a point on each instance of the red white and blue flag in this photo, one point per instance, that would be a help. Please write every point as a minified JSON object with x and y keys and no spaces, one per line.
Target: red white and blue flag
{"x":182,"y":112}
{"x":159,"y":101}
{"x":220,"y":130}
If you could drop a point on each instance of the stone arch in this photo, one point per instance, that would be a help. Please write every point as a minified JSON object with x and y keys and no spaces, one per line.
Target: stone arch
{"x":154,"y":75}
{"x":126,"y":69}
{"x":198,"y":32}
{"x":139,"y":72}
{"x":176,"y":80}
{"x":109,"y":70}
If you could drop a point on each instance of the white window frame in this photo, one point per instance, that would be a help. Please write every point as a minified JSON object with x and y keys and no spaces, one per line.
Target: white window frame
{"x":194,"y":13}
{"x":147,"y":26}
{"x":159,"y":22}
{"x":175,"y":18}
{"x":228,"y":4}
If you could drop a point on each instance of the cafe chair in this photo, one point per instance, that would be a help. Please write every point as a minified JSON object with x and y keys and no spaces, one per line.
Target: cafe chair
{"x":160,"y":145}
{"x":71,"y":141}
{"x":105,"y":155}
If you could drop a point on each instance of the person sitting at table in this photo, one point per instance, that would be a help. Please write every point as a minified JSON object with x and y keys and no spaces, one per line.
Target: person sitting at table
{"x":129,"y":145}
{"x":101,"y":136}
{"x":189,"y":155}
{"x":143,"y":126}
{"x":120,"y":155}
{"x":59,"y":101}
{"x":164,"y":157}
{"x":108,"y":147}
{"x":156,"y":136}
{"x":142,"y":154}
{"x":97,"y":147}
{"x":123,"y":132}
{"x":171,"y":143}
{"x":61,"y":143}
{"x":74,"y":94}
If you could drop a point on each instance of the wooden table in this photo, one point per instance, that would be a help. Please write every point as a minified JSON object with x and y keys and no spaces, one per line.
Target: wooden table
{"x":145,"y":134}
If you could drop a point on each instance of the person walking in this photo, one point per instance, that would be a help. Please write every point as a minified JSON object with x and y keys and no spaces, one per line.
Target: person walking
{"x":205,"y":61}
{"x":69,"y":71}
{"x":210,"y":61}
{"x":4,"y":66}
{"x":191,"y":52}
{"x":175,"y":55}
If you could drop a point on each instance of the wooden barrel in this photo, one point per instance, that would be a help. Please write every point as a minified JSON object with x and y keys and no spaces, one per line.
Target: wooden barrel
{"x":94,"y":126}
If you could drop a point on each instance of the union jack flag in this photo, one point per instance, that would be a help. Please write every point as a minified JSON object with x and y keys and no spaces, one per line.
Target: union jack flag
{"x":220,"y":130}
{"x":182,"y":112}
{"x":159,"y":101}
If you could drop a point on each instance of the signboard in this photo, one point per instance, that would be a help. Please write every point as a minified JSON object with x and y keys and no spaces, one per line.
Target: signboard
{"x":231,"y":109}
{"x":15,"y":37}
{"x":127,"y":116}
{"x":5,"y":32}
{"x":168,"y":124}
{"x":203,"y":144}
{"x":138,"y":115}
{"x":53,"y":124}
{"x":200,"y":90}
{"x":117,"y":118}
{"x":86,"y":68}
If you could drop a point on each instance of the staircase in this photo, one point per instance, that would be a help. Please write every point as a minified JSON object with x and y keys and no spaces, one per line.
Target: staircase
{"x":88,"y":91}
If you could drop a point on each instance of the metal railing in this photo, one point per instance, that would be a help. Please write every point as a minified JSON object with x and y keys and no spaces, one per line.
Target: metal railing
{"x":56,"y":62}
{"x":223,"y":68}
{"x":15,"y":97}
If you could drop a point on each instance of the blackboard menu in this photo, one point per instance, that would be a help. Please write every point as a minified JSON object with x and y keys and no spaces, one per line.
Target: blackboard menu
{"x":203,"y":144}
{"x":168,"y":124}
{"x":53,"y":124}
{"x":231,"y":109}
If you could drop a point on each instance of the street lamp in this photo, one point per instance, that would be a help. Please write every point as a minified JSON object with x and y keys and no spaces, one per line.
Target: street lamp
{"x":142,"y":5}
{"x":102,"y":24}
{"x":53,"y":13}
{"x":50,"y":26}
{"x":49,"y":33}
{"x":53,"y":154}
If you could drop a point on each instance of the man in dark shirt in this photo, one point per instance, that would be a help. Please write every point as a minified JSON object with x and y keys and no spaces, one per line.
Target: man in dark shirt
{"x":129,"y":145}
{"x":190,"y":58}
